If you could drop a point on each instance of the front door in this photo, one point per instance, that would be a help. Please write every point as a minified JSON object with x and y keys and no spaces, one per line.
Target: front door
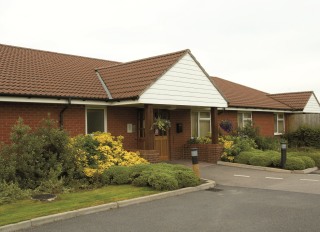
{"x":161,"y":138}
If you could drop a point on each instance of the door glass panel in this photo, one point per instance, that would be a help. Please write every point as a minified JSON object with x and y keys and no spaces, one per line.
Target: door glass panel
{"x":204,"y":114}
{"x":194,"y":123}
{"x":204,"y":128}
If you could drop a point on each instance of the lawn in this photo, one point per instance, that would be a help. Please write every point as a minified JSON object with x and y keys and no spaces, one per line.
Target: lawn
{"x":28,"y":209}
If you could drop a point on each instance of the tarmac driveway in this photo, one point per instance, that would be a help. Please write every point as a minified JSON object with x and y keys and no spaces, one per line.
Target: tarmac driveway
{"x":250,"y":178}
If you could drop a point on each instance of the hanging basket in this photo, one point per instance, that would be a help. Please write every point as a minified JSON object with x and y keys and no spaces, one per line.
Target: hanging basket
{"x":161,"y":124}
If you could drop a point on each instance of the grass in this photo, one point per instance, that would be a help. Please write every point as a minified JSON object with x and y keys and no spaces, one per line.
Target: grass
{"x":28,"y":209}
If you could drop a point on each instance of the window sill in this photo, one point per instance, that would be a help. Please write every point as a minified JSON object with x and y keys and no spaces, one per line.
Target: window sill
{"x":278,"y":133}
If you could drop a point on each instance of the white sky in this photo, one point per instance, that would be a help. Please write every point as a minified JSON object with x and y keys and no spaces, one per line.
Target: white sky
{"x":271,"y":45}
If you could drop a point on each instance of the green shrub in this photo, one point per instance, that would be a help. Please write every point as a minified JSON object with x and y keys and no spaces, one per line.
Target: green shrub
{"x":248,"y":131}
{"x":7,"y":165}
{"x":163,"y":181}
{"x":11,"y":192}
{"x":142,"y":179}
{"x":276,"y":161}
{"x":267,"y":143}
{"x":262,"y":143}
{"x":53,"y":184}
{"x":244,"y":157}
{"x":309,"y":162}
{"x":312,"y":153}
{"x":233,"y":145}
{"x":262,"y":160}
{"x":140,"y":175}
{"x":186,"y":178}
{"x":117,"y":175}
{"x":304,"y":137}
{"x":294,"y":163}
{"x":36,"y":153}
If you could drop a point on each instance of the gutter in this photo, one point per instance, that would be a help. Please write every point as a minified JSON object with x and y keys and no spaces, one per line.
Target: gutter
{"x":73,"y":98}
{"x":61,"y":113}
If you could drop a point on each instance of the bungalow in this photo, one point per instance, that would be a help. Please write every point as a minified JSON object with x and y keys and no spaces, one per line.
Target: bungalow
{"x":86,"y":95}
{"x":273,"y":114}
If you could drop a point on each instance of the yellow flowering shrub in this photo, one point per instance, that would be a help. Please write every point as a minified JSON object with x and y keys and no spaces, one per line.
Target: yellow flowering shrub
{"x":233,"y":145}
{"x":96,"y":153}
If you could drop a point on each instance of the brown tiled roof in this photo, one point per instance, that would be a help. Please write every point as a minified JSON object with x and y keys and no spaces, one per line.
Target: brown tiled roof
{"x":242,"y":96}
{"x":29,"y":72}
{"x":296,"y":100}
{"x":130,"y":79}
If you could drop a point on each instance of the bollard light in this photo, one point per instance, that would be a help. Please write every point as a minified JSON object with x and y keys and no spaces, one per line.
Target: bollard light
{"x":283,"y":154}
{"x":195,"y":162}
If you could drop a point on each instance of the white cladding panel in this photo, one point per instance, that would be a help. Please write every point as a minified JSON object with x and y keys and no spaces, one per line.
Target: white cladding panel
{"x":312,"y":105}
{"x":184,"y":84}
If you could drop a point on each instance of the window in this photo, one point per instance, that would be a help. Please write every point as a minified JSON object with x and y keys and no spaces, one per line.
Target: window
{"x":244,"y":118}
{"x":200,"y":124}
{"x":279,"y":123}
{"x":95,"y":120}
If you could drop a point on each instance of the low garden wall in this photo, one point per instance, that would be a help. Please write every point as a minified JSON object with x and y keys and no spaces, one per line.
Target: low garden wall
{"x":153,"y":156}
{"x":210,"y":153}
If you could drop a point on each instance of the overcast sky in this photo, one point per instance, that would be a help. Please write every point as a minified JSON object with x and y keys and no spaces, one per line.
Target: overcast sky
{"x":271,"y":45}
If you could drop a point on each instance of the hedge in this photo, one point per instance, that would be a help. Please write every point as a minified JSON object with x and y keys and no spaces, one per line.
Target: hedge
{"x":295,"y":160}
{"x":158,"y":176}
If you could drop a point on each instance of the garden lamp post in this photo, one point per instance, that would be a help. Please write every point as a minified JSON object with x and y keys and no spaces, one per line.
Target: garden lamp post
{"x":283,"y":154}
{"x":195,"y":163}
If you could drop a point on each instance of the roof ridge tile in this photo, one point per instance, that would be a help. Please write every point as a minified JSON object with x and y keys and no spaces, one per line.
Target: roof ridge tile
{"x":144,"y":59}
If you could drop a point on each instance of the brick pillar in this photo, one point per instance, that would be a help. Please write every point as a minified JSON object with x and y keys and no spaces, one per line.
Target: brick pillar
{"x":149,"y":134}
{"x":214,"y":125}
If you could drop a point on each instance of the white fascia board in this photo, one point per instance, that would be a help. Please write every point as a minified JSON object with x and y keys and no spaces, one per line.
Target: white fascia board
{"x":256,"y":110}
{"x":123,"y":103}
{"x":51,"y":101}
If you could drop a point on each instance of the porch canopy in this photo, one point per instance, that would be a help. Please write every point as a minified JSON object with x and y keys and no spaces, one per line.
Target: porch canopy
{"x":170,"y":81}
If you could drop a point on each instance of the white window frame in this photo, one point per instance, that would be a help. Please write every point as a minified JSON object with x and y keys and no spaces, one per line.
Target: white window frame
{"x":96,"y":108}
{"x":200,"y":119}
{"x":244,"y":119}
{"x":277,"y":121}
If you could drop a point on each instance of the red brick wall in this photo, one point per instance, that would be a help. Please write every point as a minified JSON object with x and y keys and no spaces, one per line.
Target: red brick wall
{"x":206,"y":152}
{"x":265,"y":122}
{"x":117,"y":120}
{"x":230,"y":116}
{"x":178,"y":140}
{"x":33,"y":113}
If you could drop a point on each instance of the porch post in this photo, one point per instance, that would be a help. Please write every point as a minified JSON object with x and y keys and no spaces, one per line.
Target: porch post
{"x":149,"y":134}
{"x":214,"y":125}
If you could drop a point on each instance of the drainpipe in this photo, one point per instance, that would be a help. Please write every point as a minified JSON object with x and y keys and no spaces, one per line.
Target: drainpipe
{"x":62,"y":111}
